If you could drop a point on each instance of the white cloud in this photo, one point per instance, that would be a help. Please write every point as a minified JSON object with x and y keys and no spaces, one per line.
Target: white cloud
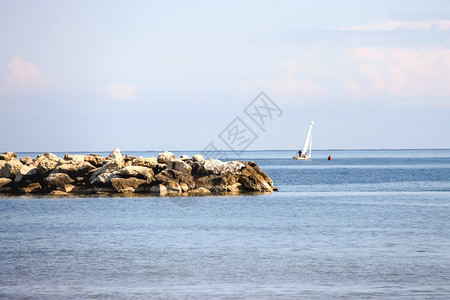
{"x":24,"y":79}
{"x":121,"y":91}
{"x":444,"y":24}
{"x":399,"y":73}
{"x":291,"y":87}
{"x":294,"y":82}
{"x":394,"y":25}
{"x":406,"y":76}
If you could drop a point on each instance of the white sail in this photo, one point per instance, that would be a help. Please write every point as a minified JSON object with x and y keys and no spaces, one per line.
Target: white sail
{"x":308,"y":140}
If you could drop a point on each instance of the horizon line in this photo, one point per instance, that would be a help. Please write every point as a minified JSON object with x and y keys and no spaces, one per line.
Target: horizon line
{"x":247,"y":150}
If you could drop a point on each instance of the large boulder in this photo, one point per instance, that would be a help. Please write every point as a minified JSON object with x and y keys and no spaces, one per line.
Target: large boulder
{"x":173,"y":175}
{"x":165,"y":156}
{"x":74,"y":168}
{"x":184,"y":157}
{"x":11,"y":168}
{"x":149,"y":162}
{"x":179,"y":165}
{"x":25,"y":172}
{"x":232,"y":167}
{"x":213,"y":166}
{"x":114,"y":162}
{"x":47,"y":162}
{"x":260,"y":172}
{"x":214,"y":183}
{"x":103,"y":178}
{"x":198,"y":158}
{"x":115,"y":155}
{"x":136,"y":171}
{"x":216,"y":167}
{"x":94,"y":159}
{"x":128,"y":185}
{"x":74,"y":157}
{"x":7,"y":156}
{"x":254,"y":181}
{"x":59,"y":181}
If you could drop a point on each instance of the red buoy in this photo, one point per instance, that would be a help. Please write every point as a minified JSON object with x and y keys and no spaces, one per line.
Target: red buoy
{"x":329,"y":157}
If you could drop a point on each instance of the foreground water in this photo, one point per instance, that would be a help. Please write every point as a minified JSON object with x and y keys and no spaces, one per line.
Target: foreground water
{"x":367,"y":224}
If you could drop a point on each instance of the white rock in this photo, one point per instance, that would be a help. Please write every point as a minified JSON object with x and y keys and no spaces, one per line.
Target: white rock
{"x":104,"y":178}
{"x":109,"y":167}
{"x":198,"y":157}
{"x":149,"y":162}
{"x":11,"y":168}
{"x":25,"y":171}
{"x":135,"y":171}
{"x":115,"y":155}
{"x":74,"y":158}
{"x":213,"y":166}
{"x":165,"y":156}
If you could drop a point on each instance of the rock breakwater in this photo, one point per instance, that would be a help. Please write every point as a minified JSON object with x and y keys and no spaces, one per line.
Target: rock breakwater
{"x":117,"y":173}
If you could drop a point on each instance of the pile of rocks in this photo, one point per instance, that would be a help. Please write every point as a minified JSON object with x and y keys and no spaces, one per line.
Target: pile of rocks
{"x":166,"y":174}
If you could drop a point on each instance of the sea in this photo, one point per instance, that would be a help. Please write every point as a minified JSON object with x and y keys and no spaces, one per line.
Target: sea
{"x":367,"y":224}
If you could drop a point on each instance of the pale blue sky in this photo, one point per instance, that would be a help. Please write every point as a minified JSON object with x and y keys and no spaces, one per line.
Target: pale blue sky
{"x":156,"y":75}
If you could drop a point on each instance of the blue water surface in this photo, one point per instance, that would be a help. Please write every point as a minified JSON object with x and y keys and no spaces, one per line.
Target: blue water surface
{"x":367,"y":224}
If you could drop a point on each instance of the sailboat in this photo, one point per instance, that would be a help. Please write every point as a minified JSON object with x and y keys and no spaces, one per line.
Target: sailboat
{"x":305,"y":153}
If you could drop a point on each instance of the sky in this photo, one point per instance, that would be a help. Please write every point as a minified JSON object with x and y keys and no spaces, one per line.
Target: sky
{"x":188,"y":75}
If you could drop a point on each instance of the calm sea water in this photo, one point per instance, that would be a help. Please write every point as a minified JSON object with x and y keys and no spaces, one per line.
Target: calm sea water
{"x":367,"y":224}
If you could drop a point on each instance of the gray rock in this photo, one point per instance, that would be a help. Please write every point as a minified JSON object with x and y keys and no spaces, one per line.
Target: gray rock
{"x":180,"y":177}
{"x":214,"y":183}
{"x":158,"y":189}
{"x":59,"y":181}
{"x":128,"y":185}
{"x":103,"y":178}
{"x":179,"y":165}
{"x":108,"y":168}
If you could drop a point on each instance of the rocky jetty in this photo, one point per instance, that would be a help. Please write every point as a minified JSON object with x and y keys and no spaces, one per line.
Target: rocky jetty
{"x":117,"y":173}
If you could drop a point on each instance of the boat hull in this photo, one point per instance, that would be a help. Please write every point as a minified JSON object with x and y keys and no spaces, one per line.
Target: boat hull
{"x":302,"y":157}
